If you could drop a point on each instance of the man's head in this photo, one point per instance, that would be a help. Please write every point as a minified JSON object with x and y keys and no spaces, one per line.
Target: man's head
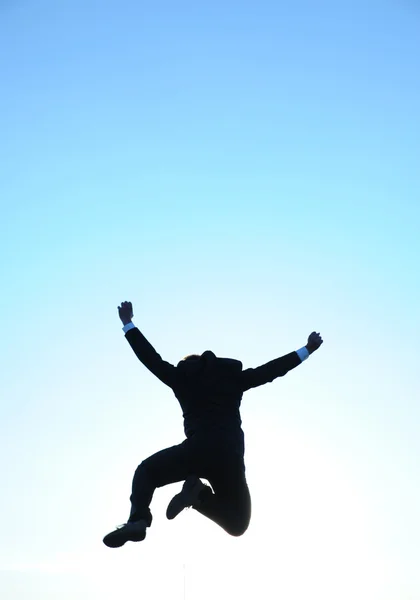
{"x":192,"y":363}
{"x":192,"y":357}
{"x":209,"y":364}
{"x":189,"y":359}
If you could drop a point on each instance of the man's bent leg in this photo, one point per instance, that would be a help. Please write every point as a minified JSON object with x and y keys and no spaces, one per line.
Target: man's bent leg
{"x":167,"y":466}
{"x":230,"y":504}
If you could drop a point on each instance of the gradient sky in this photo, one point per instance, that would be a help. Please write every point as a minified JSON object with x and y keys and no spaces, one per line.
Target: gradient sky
{"x":245,"y":173}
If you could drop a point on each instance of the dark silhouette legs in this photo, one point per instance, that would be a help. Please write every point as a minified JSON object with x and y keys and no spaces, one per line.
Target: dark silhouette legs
{"x":215,"y":460}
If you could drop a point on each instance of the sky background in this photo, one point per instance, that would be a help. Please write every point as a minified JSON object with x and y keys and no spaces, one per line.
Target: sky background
{"x":245,"y":173}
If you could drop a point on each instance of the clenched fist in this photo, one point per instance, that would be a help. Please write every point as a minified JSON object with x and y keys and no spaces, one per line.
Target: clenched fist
{"x":314,"y":342}
{"x":125,"y":312}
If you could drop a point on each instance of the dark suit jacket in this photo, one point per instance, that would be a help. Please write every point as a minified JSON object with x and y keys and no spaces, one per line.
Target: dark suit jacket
{"x":209,"y":390}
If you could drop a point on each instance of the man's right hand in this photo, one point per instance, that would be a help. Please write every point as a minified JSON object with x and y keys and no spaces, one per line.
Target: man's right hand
{"x":125,"y":312}
{"x":314,"y":342}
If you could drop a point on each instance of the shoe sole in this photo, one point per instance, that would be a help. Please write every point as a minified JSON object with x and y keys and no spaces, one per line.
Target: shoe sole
{"x":183,"y":500}
{"x":116,"y":539}
{"x":175,"y":506}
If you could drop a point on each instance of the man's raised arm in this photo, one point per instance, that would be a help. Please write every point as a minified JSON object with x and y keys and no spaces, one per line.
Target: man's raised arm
{"x":143,"y":349}
{"x":251,"y":378}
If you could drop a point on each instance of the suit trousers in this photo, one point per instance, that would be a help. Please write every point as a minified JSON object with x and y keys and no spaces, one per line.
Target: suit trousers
{"x":211,"y":455}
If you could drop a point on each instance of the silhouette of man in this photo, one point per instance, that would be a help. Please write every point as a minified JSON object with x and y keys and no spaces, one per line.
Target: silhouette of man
{"x":209,"y":390}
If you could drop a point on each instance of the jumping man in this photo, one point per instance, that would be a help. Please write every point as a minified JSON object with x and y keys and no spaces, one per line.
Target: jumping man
{"x":209,"y":390}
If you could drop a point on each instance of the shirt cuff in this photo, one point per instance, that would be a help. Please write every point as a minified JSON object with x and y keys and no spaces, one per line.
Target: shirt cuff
{"x":302,"y":353}
{"x":128,"y":327}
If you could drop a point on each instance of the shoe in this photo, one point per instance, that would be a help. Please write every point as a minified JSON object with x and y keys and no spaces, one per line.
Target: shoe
{"x":134,"y":531}
{"x":187,"y":497}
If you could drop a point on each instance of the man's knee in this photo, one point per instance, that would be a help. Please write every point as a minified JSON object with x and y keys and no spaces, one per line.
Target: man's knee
{"x":144,"y":471}
{"x":237,"y":529}
{"x":142,"y":467}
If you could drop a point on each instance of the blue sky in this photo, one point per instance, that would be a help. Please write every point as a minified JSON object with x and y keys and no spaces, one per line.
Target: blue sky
{"x":244,"y":173}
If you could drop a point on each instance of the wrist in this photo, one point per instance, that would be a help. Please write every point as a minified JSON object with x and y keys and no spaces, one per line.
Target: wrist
{"x":129,"y":325}
{"x":302,"y":353}
{"x":310,"y":348}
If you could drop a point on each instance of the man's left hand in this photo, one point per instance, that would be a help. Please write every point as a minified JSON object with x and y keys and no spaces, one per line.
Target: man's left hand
{"x":314,"y":342}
